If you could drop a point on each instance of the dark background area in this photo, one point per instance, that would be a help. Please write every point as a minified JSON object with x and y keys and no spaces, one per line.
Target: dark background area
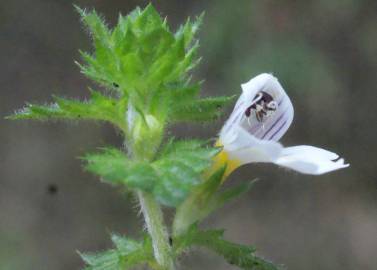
{"x":324,"y":53}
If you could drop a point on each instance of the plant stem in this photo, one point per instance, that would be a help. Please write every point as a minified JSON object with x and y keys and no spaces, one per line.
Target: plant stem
{"x":157,"y":230}
{"x":149,"y":206}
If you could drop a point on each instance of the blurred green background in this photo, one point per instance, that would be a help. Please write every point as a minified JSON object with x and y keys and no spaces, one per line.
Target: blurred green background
{"x":324,"y":53}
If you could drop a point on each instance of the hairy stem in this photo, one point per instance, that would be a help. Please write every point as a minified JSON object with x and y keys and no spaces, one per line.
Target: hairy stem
{"x":150,"y":208}
{"x":157,"y":230}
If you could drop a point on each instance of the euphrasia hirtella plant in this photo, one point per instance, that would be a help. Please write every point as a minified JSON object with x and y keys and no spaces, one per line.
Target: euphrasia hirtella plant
{"x":143,"y":71}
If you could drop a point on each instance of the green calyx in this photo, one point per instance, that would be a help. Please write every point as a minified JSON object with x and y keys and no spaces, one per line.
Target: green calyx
{"x":146,"y":134}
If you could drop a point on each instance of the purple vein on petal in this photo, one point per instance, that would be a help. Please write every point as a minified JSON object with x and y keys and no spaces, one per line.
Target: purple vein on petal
{"x":277,"y":131}
{"x":275,"y":123}
{"x":254,"y":129}
{"x":233,"y":121}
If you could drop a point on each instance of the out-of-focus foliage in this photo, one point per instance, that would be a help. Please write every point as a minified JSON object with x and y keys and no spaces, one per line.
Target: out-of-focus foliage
{"x":9,"y":253}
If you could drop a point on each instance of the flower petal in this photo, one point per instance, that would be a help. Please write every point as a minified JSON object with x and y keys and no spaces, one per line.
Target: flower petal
{"x":309,"y":160}
{"x":245,"y":148}
{"x":272,"y":127}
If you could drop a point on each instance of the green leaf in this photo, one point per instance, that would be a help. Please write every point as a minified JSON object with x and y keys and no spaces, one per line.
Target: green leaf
{"x":142,"y":55}
{"x":125,"y":245}
{"x":186,"y":64}
{"x":156,"y":43}
{"x":170,"y":178}
{"x":180,"y":165}
{"x":193,"y":153}
{"x":231,"y":193}
{"x":93,"y":69}
{"x":189,"y":29}
{"x":108,"y":260}
{"x":199,"y":204}
{"x":133,"y":252}
{"x":207,"y":109}
{"x":163,"y":57}
{"x":147,"y":19}
{"x":94,"y":23}
{"x":114,"y":167}
{"x":144,"y":64}
{"x":110,"y":164}
{"x":205,"y":199}
{"x":241,"y":255}
{"x":182,"y":95}
{"x":127,"y":254}
{"x":160,"y":72}
{"x":97,"y":107}
{"x":177,"y":180}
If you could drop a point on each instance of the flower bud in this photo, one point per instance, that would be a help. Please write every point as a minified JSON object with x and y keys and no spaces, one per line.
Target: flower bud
{"x":146,"y":136}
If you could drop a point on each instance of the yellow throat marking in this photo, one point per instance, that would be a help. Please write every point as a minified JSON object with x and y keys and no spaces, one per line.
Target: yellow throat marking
{"x":222,"y":159}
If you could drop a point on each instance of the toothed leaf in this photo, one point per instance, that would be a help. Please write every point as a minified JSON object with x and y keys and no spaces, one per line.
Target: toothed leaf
{"x":97,"y":107}
{"x":241,"y":255}
{"x":114,"y":167}
{"x":143,"y":63}
{"x":207,"y":109}
{"x":127,"y":254}
{"x":205,"y":199}
{"x":170,"y":178}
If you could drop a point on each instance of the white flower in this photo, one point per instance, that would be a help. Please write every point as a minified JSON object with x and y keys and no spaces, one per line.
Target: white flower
{"x":261,"y":116}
